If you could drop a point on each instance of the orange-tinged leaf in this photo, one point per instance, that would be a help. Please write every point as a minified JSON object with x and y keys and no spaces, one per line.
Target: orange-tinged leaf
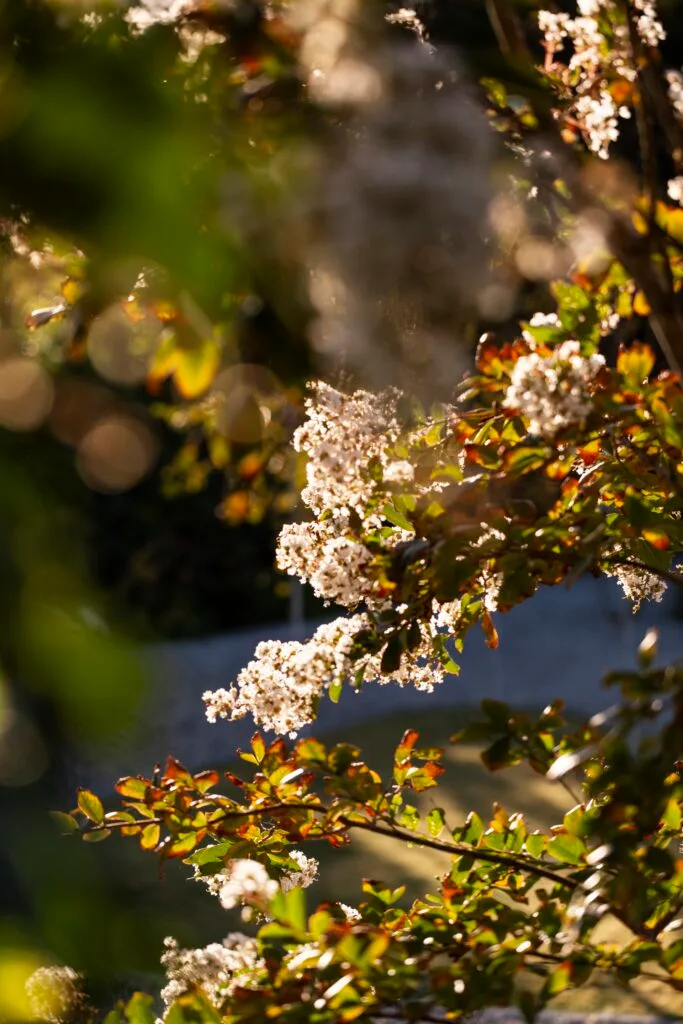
{"x":175,"y":770}
{"x":559,"y":469}
{"x":71,"y":289}
{"x":636,"y":362}
{"x":165,"y":312}
{"x":590,"y":452}
{"x":132,"y":787}
{"x":640,"y":305}
{"x":183,"y":845}
{"x":195,"y":368}
{"x":673,"y":223}
{"x":251,"y":465}
{"x":490,"y":631}
{"x":657,"y":539}
{"x":235,"y":508}
{"x":621,"y":91}
{"x":206,"y":780}
{"x":149,"y":837}
{"x":409,"y":739}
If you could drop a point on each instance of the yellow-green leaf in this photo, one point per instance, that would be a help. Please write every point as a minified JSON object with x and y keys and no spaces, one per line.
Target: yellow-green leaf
{"x":91,"y":806}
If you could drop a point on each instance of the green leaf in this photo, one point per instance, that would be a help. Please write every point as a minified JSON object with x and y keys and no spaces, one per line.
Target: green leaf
{"x":498,"y":755}
{"x":397,"y":518}
{"x":258,"y":746}
{"x":474,"y":829}
{"x":575,"y":820}
{"x":497,"y":712}
{"x":436,"y":820}
{"x":66,"y":822}
{"x":525,"y":459}
{"x":140,"y":1009}
{"x":290,"y":908}
{"x":410,"y":818}
{"x":559,"y":978}
{"x":192,"y":1008}
{"x":91,"y":806}
{"x":391,"y":657}
{"x":97,"y":837}
{"x":567,"y":849}
{"x":535,"y":844}
{"x":334,"y":691}
{"x":672,"y":816}
{"x":194,"y":368}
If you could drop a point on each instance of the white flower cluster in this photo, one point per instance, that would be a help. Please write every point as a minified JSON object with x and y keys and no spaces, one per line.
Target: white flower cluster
{"x":305,"y":876}
{"x":216,"y":968}
{"x":342,"y":436}
{"x":553,"y":391}
{"x":637,"y":584}
{"x":154,"y":12}
{"x":675,"y":189}
{"x":335,"y":565}
{"x":350,"y":913}
{"x":347,"y":439}
{"x":674,"y":81}
{"x":282,"y":685}
{"x":247,"y":882}
{"x":596,"y":58}
{"x":55,"y":994}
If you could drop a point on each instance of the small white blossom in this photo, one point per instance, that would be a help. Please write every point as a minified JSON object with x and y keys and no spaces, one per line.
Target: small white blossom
{"x":675,"y":189}
{"x":544,"y":320}
{"x":305,"y":876}
{"x":674,"y":80}
{"x":554,"y":28}
{"x":399,"y":472}
{"x":553,"y":391}
{"x":247,"y":881}
{"x":350,"y":913}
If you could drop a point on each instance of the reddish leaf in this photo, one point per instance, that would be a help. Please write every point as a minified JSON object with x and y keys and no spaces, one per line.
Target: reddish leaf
{"x":490,"y":631}
{"x":133,"y":787}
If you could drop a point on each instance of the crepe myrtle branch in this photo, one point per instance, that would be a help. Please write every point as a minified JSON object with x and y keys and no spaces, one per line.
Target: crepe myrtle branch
{"x":391,"y":832}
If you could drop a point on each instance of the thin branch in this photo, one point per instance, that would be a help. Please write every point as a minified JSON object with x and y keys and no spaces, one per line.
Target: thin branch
{"x":454,"y":849}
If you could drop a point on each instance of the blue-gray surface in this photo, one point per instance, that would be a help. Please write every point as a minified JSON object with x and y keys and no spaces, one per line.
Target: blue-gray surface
{"x":558,"y":644}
